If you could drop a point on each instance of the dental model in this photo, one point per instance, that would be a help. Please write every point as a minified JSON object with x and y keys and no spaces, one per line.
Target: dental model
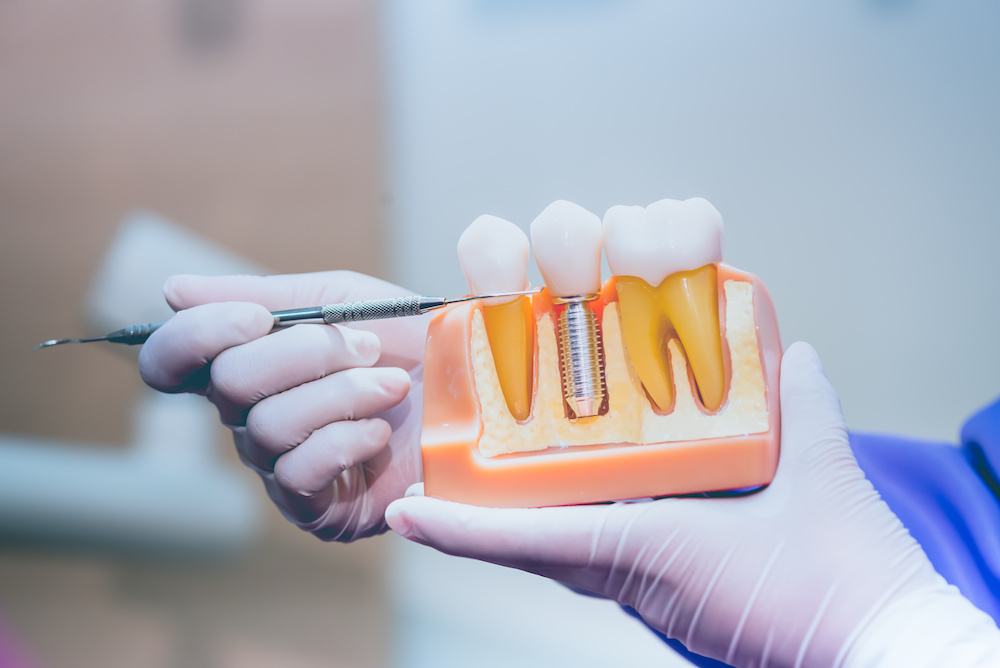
{"x":663,"y":382}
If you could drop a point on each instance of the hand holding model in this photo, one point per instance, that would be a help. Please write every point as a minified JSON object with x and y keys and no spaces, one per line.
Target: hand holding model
{"x":814,"y":570}
{"x":324,"y":414}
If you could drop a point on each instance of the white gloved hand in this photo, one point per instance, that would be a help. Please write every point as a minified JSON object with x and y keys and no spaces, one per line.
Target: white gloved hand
{"x":814,"y":570}
{"x":328,"y":416}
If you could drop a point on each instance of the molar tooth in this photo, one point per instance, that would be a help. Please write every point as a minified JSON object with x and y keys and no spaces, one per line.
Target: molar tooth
{"x":493,"y":254}
{"x":567,"y":241}
{"x":664,"y":256}
{"x":691,"y":300}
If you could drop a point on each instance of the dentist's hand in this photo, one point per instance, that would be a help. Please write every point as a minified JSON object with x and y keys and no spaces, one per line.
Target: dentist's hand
{"x":328,"y":416}
{"x":815,"y":570}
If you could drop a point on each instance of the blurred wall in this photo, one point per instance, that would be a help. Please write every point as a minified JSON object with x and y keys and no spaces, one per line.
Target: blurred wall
{"x":852,"y":147}
{"x":257,"y":126}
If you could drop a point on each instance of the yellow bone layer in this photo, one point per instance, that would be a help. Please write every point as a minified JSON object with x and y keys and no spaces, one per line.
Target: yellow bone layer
{"x":630,"y":419}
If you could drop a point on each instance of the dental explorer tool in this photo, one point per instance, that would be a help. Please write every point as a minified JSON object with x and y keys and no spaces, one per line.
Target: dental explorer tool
{"x":371,"y":309}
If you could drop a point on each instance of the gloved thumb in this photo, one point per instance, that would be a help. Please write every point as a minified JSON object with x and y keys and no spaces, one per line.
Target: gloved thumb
{"x":813,"y":433}
{"x":553,"y":542}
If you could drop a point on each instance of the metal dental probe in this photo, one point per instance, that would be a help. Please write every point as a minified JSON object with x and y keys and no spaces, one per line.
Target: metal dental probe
{"x":371,"y":309}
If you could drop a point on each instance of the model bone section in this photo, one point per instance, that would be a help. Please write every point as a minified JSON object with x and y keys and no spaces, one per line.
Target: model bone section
{"x":631,"y":418}
{"x":665,"y":259}
{"x":493,"y":254}
{"x":567,"y":241}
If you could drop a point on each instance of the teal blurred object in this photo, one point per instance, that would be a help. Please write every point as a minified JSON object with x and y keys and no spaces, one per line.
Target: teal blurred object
{"x":169,"y":495}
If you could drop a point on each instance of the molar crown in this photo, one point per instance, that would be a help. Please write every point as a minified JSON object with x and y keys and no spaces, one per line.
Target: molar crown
{"x":664,"y":238}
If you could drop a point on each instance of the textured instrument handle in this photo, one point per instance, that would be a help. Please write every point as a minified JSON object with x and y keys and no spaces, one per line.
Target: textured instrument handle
{"x":375,"y":309}
{"x":133,"y":335}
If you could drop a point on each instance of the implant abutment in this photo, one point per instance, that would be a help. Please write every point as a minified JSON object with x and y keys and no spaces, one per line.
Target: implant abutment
{"x":581,"y":356}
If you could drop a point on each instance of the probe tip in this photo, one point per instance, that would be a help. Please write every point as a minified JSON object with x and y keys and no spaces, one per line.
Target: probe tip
{"x":50,"y":342}
{"x":59,"y":342}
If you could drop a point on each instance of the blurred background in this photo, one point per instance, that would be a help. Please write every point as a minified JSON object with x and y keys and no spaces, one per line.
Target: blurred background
{"x":852,"y":148}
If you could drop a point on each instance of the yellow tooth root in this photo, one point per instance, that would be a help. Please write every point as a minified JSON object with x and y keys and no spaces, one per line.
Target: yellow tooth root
{"x":691,"y":301}
{"x":645,"y":330}
{"x":511,"y":333}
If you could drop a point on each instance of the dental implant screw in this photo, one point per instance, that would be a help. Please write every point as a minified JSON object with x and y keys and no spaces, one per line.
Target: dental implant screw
{"x":581,"y":356}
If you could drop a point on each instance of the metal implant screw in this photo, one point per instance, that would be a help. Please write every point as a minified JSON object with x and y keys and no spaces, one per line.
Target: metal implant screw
{"x":581,"y":356}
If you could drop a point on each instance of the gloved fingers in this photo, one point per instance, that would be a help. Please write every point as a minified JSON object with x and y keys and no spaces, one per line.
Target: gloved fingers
{"x":246,"y":374}
{"x":277,"y":292}
{"x":559,"y":543}
{"x":812,"y":424}
{"x":307,"y":474}
{"x":284,"y":421}
{"x":176,"y":357}
{"x":402,"y":338}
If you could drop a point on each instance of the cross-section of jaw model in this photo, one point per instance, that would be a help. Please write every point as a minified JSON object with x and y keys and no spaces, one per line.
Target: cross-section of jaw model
{"x":662,"y":381}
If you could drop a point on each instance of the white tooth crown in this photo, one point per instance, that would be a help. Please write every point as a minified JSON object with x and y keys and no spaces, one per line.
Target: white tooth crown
{"x":666,"y":237}
{"x":493,"y":254}
{"x":567,"y":242}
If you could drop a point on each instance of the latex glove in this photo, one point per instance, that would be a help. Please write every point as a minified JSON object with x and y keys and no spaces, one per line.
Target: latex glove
{"x":815,"y":570}
{"x":328,"y":416}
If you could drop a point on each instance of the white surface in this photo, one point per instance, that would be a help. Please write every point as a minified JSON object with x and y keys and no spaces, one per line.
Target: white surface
{"x":852,"y":148}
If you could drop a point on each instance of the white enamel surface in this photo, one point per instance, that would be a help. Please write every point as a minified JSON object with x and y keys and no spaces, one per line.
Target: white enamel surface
{"x":567,"y":242}
{"x":666,"y":237}
{"x":493,"y":254}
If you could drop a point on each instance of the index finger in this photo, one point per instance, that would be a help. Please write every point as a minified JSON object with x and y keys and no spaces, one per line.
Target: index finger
{"x":176,"y":357}
{"x":277,"y":292}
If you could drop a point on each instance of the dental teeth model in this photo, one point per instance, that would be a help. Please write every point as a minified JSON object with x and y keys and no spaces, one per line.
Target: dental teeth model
{"x":665,"y":259}
{"x":567,"y":240}
{"x":664,"y":381}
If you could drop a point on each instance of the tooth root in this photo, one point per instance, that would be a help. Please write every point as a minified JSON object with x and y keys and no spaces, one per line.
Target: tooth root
{"x":511,"y":334}
{"x":643,"y":333}
{"x":691,"y":301}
